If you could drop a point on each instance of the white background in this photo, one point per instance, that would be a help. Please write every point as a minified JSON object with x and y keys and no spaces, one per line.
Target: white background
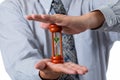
{"x":113,"y":68}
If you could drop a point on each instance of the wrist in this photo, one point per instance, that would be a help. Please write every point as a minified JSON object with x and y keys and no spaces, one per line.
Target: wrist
{"x":47,"y":79}
{"x":45,"y":76}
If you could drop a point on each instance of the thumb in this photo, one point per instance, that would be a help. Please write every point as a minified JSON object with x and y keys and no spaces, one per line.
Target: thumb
{"x":41,"y":65}
{"x":56,"y":18}
{"x":45,"y":25}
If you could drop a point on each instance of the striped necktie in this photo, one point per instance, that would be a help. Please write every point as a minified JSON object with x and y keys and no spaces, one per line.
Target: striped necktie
{"x":69,"y":51}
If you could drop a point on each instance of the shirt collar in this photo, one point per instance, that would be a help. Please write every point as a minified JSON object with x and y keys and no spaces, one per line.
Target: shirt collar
{"x":46,"y":5}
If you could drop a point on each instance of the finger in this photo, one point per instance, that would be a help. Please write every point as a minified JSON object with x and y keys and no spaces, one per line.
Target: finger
{"x":83,"y":70}
{"x":50,"y":18}
{"x":60,"y":68}
{"x":80,"y":69}
{"x":56,"y":19}
{"x":42,"y":64}
{"x":45,"y":25}
{"x":40,"y":18}
{"x":68,"y":31}
{"x":29,"y":17}
{"x":33,"y":17}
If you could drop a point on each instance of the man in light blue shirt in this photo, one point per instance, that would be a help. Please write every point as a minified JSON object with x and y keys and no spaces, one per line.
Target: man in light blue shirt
{"x":23,"y":42}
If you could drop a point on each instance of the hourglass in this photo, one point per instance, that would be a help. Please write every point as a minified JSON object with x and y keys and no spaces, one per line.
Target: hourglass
{"x":57,"y":53}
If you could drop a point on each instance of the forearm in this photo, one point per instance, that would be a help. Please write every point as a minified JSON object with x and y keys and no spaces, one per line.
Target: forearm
{"x":111,"y":14}
{"x":93,"y":20}
{"x":44,"y":76}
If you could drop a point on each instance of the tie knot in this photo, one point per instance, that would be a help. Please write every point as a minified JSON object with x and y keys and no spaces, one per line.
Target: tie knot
{"x":58,"y":7}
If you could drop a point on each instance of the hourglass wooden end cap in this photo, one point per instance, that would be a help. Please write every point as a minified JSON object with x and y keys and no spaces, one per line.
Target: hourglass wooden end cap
{"x":57,"y":59}
{"x":55,"y":28}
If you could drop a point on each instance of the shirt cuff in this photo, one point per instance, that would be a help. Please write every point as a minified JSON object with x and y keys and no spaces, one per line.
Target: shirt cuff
{"x":37,"y":77}
{"x":110,"y":17}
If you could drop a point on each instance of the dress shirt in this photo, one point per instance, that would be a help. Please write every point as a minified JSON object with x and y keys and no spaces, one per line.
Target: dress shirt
{"x":23,"y":42}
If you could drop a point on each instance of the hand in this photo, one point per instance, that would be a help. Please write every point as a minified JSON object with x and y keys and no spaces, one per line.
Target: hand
{"x":71,"y":24}
{"x":49,"y":70}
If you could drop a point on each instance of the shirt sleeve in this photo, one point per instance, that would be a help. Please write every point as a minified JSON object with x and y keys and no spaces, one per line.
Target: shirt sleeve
{"x":111,"y":13}
{"x":20,"y":50}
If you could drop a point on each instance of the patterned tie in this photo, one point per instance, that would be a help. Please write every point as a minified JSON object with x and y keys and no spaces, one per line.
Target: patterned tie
{"x":69,"y":51}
